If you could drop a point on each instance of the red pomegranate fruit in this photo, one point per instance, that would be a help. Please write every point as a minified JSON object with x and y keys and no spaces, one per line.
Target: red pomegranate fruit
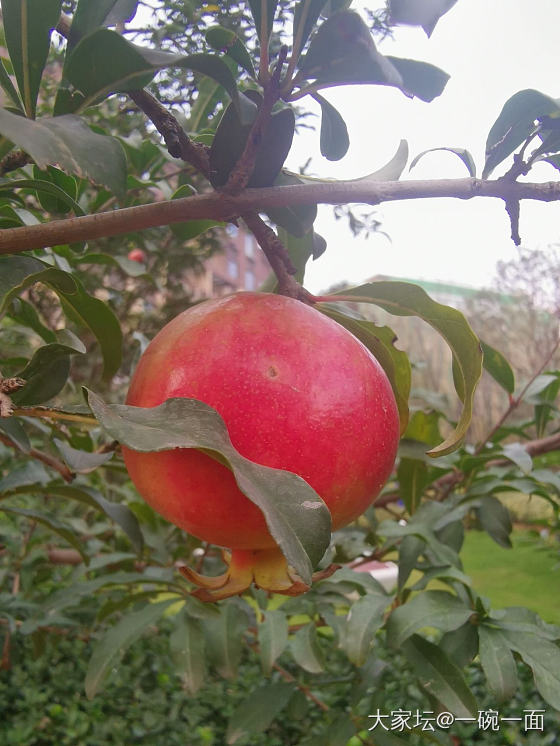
{"x":137,"y":255}
{"x":297,"y":392}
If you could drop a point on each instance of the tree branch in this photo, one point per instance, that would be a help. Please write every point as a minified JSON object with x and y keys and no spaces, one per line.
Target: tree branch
{"x":219,"y":206}
{"x":179,"y":145}
{"x":45,"y":458}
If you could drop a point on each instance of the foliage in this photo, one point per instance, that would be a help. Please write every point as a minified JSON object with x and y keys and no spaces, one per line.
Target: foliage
{"x":81,"y":555}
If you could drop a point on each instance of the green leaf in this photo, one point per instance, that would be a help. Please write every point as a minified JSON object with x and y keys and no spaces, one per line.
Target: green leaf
{"x":46,"y":373}
{"x":296,"y":516}
{"x":498,"y":367}
{"x":413,"y":478}
{"x":517,"y":453}
{"x":23,"y":478}
{"x":56,"y":191}
{"x":497,"y":663}
{"x":461,"y":644}
{"x":306,"y":650}
{"x":405,"y":299}
{"x":273,"y":638}
{"x":342,"y":51}
{"x":545,"y":411}
{"x":9,"y":89}
{"x":129,"y":267}
{"x":441,"y":678}
{"x":24,"y":313}
{"x":187,"y":647}
{"x":495,"y":520}
{"x":263,"y":12}
{"x":226,"y":40}
{"x":81,"y":462}
{"x":380,"y":342}
{"x":420,"y":79}
{"x":410,"y":549}
{"x":515,"y":124}
{"x":543,"y":657}
{"x":27,"y":28}
{"x":306,"y":14}
{"x":419,"y":13}
{"x":334,"y":133}
{"x":71,"y":144}
{"x":119,"y":513}
{"x":229,"y":143}
{"x":117,"y":640}
{"x":437,"y":609}
{"x":53,"y":524}
{"x":92,"y":313}
{"x":365,"y":617}
{"x":90,"y":16}
{"x":12,"y":427}
{"x":224,"y":639}
{"x":104,"y":62}
{"x":296,"y":219}
{"x":461,"y":153}
{"x":257,"y":712}
{"x":19,"y":272}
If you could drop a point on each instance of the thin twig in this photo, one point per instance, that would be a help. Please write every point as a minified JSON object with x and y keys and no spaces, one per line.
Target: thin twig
{"x":45,"y":458}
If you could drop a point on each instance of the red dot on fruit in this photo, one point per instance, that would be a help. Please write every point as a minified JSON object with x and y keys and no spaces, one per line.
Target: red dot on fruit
{"x":296,"y":391}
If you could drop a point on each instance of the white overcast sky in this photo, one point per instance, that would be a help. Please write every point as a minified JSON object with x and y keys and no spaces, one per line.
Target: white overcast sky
{"x":491,"y":49}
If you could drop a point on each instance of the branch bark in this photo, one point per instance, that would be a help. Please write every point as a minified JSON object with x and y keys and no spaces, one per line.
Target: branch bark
{"x":219,"y":206}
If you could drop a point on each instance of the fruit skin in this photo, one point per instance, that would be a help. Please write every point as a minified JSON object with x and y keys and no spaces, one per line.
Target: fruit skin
{"x":296,"y":390}
{"x":137,"y":255}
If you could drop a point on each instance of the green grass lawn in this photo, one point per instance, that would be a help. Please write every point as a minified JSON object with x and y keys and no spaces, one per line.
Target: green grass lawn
{"x":527,"y":575}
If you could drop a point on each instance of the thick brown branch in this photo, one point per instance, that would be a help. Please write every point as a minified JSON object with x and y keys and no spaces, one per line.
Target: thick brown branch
{"x":13,"y":160}
{"x":229,"y":207}
{"x":178,"y":143}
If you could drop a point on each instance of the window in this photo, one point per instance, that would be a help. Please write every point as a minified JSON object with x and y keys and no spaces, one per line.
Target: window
{"x":232,"y":268}
{"x":249,"y":280}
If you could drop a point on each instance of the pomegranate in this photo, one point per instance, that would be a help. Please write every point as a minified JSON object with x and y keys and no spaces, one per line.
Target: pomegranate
{"x":297,"y":392}
{"x":137,"y":255}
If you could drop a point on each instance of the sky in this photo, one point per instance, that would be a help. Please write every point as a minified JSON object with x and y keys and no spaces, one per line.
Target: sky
{"x":491,"y":49}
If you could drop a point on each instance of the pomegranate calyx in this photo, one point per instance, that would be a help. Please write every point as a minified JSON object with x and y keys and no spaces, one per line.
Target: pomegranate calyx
{"x":266,"y":568}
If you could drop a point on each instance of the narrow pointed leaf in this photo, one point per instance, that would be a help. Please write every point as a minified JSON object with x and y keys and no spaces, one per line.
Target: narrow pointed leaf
{"x":437,"y":609}
{"x":257,"y":712}
{"x":334,"y":133}
{"x":295,"y":515}
{"x":495,"y":519}
{"x":498,"y":367}
{"x":543,"y":656}
{"x":405,"y":299}
{"x":46,"y":373}
{"x":12,"y":427}
{"x":91,"y":16}
{"x":514,"y":124}
{"x":424,"y":13}
{"x":461,"y":153}
{"x":306,"y":14}
{"x":187,"y":646}
{"x":366,"y":616}
{"x":224,"y":639}
{"x":420,"y":79}
{"x":263,"y":12}
{"x":19,"y":272}
{"x":273,"y":638}
{"x":27,"y":28}
{"x":306,"y":649}
{"x":226,"y":40}
{"x":68,"y":142}
{"x":297,"y":219}
{"x":53,"y":524}
{"x":440,"y":677}
{"x":9,"y":88}
{"x":117,"y":640}
{"x":497,"y":663}
{"x":104,"y":62}
{"x":81,"y":462}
